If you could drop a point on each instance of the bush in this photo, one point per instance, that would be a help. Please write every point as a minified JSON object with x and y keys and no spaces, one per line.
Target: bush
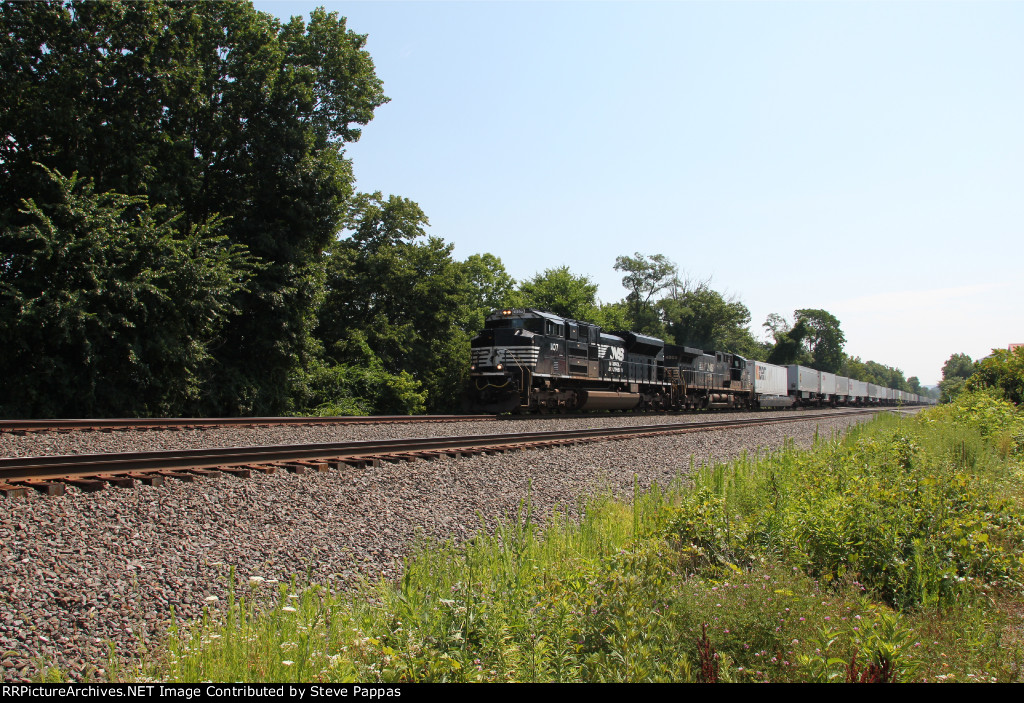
{"x":1004,"y":371}
{"x":347,"y":389}
{"x":110,"y":306}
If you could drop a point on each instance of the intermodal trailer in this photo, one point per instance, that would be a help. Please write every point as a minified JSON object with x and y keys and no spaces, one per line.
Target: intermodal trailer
{"x":828,"y":386}
{"x":858,"y":391}
{"x":842,"y":388}
{"x":771,"y":385}
{"x":804,"y":383}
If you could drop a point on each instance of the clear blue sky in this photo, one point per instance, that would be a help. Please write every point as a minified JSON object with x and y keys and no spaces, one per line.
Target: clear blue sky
{"x":862,"y":157}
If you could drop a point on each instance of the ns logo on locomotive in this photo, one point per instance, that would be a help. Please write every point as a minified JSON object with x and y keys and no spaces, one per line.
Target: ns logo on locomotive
{"x":528,"y":360}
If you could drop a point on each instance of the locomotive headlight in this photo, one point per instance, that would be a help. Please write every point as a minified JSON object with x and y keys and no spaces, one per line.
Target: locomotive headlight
{"x":499,"y":367}
{"x":472,"y":367}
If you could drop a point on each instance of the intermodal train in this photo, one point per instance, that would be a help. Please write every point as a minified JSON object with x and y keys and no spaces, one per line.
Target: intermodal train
{"x":531,"y":361}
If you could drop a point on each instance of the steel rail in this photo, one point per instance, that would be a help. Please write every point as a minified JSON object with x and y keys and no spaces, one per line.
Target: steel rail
{"x":42,"y":468}
{"x":133,"y":423}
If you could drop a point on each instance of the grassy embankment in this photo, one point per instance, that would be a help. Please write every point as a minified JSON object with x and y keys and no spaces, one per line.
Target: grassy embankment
{"x":892,"y":554}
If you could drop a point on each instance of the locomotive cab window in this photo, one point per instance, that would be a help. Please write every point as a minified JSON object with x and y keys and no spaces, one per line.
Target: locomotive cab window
{"x":516,"y":323}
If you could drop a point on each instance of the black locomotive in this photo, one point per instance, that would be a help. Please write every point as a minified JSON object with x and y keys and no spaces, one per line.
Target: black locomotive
{"x":528,"y":360}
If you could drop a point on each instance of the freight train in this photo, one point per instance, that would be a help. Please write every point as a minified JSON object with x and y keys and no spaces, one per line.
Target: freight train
{"x":531,"y":361}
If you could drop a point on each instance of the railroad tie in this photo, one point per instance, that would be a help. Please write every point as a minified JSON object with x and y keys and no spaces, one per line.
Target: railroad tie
{"x":50,"y":488}
{"x":114,"y":480}
{"x":403,"y":457}
{"x":87,"y":485}
{"x":360,"y":462}
{"x":186,"y":478}
{"x":9,"y":491}
{"x":310,"y":465}
{"x":262,"y":468}
{"x":201,"y":472}
{"x":235,"y":471}
{"x":427,"y":456}
{"x":146,"y":478}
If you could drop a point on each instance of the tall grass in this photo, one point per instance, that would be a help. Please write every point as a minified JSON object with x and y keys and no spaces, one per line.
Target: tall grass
{"x":893,"y":553}
{"x":912,"y":509}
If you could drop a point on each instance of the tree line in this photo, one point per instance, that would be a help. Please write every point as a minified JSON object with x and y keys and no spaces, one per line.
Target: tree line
{"x":1001,"y":372}
{"x":181,"y":233}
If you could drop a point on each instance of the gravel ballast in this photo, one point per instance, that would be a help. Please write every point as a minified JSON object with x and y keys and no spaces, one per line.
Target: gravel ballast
{"x":80,"y":571}
{"x":112,"y":441}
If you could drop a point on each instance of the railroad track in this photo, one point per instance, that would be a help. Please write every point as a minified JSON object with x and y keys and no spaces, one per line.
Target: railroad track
{"x":91,"y":472}
{"x":192,"y":423}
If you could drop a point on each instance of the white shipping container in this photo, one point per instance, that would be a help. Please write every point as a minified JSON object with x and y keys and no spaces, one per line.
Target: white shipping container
{"x":858,"y":389}
{"x":828,"y":383}
{"x":770,"y":379}
{"x":875,"y":392}
{"x":803,"y":379}
{"x":842,"y":385}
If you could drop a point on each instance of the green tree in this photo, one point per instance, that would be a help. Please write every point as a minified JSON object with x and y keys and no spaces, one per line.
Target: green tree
{"x":823,"y":338}
{"x":394,"y":291}
{"x":874,"y":372}
{"x":361,"y":387}
{"x":646,"y":276}
{"x":788,"y":347}
{"x":855,"y":368}
{"x":490,"y":287}
{"x":206,"y":108}
{"x":559,"y":291}
{"x":109,"y":308}
{"x":698,"y":316}
{"x":915,"y":385}
{"x":815,"y":340}
{"x":1002,"y":370}
{"x":955,"y":372}
{"x":776,"y":324}
{"x":958,"y":366}
{"x":612,"y":316}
